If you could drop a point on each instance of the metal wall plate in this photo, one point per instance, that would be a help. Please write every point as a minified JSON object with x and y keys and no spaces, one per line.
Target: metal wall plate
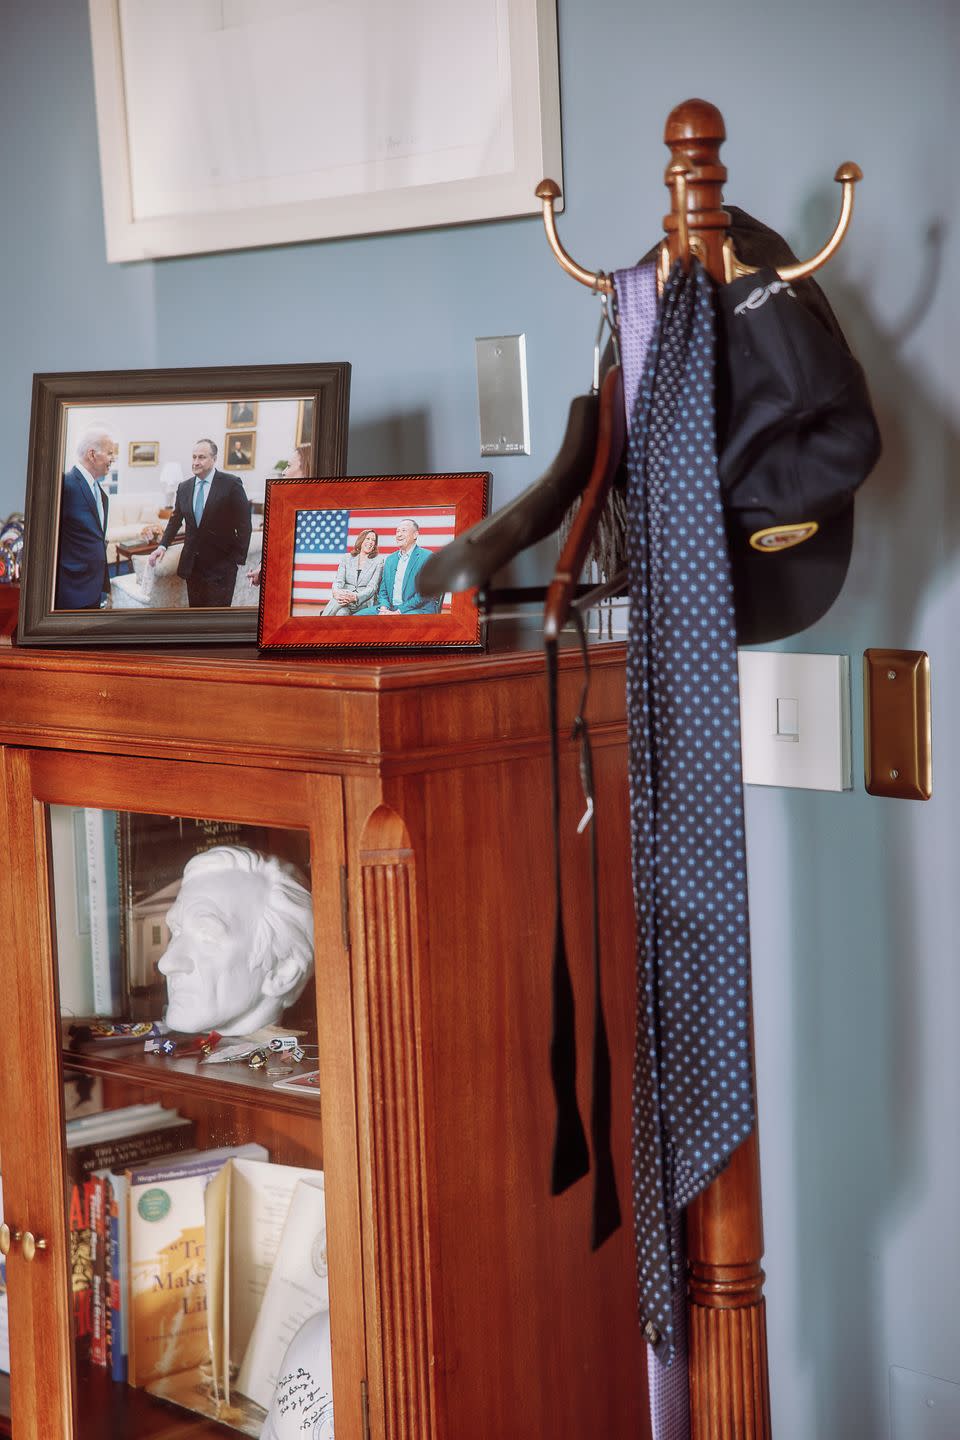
{"x":502,"y":395}
{"x":897,"y":749}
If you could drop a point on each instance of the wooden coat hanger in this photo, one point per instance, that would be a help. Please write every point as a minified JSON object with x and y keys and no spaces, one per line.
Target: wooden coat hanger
{"x":729,"y":1385}
{"x":611,"y":438}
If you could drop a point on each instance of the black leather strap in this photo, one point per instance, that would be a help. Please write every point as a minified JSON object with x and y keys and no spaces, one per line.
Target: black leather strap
{"x":606,"y":1205}
{"x":571,"y":1159}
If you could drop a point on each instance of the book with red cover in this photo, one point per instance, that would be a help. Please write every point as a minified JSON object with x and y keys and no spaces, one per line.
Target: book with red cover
{"x":87,"y":1211}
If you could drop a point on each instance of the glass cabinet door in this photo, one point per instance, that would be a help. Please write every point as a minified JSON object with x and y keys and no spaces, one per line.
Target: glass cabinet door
{"x":194,"y":1160}
{"x":186,"y":974}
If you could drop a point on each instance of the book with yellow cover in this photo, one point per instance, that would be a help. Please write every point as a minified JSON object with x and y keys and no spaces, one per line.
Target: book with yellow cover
{"x":167,"y":1263}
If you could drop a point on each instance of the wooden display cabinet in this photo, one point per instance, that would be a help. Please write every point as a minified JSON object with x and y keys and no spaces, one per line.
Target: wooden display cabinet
{"x":464,"y":1300}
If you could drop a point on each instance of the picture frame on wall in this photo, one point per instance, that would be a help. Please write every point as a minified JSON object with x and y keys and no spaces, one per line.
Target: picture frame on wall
{"x":341,"y":558}
{"x":196,"y":155}
{"x":89,"y":575}
{"x":143,"y":452}
{"x":241,"y":413}
{"x":305,"y":423}
{"x":240,"y":450}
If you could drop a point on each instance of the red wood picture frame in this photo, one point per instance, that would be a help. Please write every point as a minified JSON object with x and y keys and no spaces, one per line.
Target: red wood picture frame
{"x":311,"y":537}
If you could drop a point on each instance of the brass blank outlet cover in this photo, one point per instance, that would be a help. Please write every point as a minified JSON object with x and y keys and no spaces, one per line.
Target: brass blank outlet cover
{"x":897,"y":758}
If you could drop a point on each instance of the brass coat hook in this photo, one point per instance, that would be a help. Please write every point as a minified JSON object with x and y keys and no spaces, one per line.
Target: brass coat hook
{"x":676,"y":178}
{"x":547,"y":192}
{"x":847,"y":175}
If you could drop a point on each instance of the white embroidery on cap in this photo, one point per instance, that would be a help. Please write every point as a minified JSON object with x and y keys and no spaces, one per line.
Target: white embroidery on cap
{"x":762,"y":294}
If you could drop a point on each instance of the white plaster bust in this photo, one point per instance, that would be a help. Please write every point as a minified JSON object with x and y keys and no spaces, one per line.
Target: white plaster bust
{"x":241,"y":947}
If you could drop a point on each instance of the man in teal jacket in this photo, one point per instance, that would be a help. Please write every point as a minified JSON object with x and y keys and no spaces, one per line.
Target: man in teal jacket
{"x":398,"y":584}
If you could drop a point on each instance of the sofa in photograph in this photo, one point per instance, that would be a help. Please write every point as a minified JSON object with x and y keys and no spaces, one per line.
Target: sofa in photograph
{"x":163,"y":589}
{"x":131,"y":518}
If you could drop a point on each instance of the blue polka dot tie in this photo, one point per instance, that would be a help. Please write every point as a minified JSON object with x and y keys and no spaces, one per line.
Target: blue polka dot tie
{"x":693,"y":1087}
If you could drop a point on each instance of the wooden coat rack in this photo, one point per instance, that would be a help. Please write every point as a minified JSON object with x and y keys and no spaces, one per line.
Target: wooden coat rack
{"x":729,"y":1385}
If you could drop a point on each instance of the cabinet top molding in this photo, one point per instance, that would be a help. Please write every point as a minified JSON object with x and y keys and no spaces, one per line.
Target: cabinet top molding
{"x":389,"y":714}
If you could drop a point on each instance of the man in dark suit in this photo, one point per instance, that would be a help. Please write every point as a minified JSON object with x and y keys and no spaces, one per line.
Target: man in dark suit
{"x":214,"y":510}
{"x":83,"y":582}
{"x":398,"y":594}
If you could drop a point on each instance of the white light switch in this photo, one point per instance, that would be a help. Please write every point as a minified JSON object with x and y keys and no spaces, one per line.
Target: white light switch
{"x":795,"y":720}
{"x":788,"y":719}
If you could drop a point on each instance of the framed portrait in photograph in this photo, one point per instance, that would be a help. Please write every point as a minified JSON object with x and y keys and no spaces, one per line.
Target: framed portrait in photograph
{"x":305,"y":423}
{"x":241,"y":413}
{"x":123,"y":547}
{"x":240,"y":450}
{"x":341,"y":560}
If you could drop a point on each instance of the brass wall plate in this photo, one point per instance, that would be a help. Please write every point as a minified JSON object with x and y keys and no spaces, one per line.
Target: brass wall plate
{"x":897,"y":752}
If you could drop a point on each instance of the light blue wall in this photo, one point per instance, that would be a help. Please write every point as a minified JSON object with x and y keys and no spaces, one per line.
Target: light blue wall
{"x":855,"y":901}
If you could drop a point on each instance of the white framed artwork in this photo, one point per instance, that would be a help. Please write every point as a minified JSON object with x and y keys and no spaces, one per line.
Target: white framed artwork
{"x":225,"y":124}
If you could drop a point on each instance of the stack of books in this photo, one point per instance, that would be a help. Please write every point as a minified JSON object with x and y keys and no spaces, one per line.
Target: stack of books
{"x":97,"y":1146}
{"x":218,"y":1290}
{"x":193,"y":1270}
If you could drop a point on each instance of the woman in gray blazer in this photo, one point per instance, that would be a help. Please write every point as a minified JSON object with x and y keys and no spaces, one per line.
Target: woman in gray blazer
{"x":358,"y":576}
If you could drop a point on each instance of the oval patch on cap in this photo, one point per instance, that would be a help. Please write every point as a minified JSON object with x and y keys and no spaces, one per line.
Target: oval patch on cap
{"x":781,"y":537}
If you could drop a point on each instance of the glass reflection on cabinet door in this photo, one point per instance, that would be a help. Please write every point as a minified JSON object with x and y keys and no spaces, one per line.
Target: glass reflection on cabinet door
{"x":193,"y":1143}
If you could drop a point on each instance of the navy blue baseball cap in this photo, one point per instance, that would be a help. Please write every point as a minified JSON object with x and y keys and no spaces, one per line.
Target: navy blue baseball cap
{"x":796,"y":438}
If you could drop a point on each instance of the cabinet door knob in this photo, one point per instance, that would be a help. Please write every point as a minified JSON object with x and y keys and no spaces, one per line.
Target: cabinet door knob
{"x":29,"y":1244}
{"x":4,"y":1239}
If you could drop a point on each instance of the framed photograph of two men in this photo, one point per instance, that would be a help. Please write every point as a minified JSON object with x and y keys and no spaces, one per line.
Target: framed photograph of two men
{"x":119,"y":552}
{"x":343,"y":561}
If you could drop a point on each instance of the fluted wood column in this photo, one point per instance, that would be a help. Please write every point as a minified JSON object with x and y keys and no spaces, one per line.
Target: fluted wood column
{"x":727,"y":1339}
{"x":396,"y":1092}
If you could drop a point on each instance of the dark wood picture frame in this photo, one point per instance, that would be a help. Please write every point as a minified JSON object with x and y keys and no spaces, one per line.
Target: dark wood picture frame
{"x":326,"y":515}
{"x":326,"y":386}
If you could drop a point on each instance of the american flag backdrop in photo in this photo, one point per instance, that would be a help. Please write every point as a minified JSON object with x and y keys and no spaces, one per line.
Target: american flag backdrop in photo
{"x":324,"y":537}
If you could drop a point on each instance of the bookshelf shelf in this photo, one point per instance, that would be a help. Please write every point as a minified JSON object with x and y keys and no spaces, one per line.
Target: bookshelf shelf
{"x":111,"y":1408}
{"x":461,"y":1295}
{"x":232,"y":1085}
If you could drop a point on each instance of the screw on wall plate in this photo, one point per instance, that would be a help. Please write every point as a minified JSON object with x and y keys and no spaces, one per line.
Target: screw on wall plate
{"x":891,"y":674}
{"x":894,"y":774}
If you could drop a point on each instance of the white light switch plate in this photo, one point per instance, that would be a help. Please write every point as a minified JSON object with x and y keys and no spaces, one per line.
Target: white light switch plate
{"x":795,"y":720}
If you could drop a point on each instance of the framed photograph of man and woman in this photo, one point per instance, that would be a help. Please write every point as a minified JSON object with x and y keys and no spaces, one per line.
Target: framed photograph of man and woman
{"x":133,"y":540}
{"x":346,"y":562}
